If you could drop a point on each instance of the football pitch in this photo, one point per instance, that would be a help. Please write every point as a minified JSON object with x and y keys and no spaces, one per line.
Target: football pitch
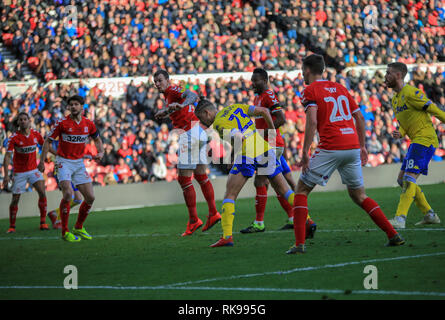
{"x":139,"y":254}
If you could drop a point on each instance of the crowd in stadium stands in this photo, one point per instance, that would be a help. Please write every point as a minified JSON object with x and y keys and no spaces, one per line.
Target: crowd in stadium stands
{"x":134,"y":38}
{"x":113,"y":38}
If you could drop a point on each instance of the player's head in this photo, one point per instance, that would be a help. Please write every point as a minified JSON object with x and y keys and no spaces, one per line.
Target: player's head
{"x":259,"y":80}
{"x":75,"y":105}
{"x":23,"y":121}
{"x":161,"y":80}
{"x":313,"y":66}
{"x":206,"y":111}
{"x":395,"y":73}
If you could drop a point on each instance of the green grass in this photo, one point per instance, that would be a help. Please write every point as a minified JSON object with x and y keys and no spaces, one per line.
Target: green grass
{"x":134,"y":251}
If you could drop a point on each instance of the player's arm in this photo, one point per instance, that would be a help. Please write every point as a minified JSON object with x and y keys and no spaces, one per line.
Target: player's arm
{"x":420,"y":101}
{"x":45,"y":149}
{"x":280,"y":118}
{"x":99,"y":147}
{"x":98,"y":142}
{"x":361,"y":132}
{"x":6,"y":163}
{"x":262,"y":112}
{"x":309,"y":134}
{"x":189,"y":98}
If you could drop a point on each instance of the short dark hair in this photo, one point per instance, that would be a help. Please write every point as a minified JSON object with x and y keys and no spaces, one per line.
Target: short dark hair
{"x":163,"y":72}
{"x":262,"y":73}
{"x":75,"y":98}
{"x":203,"y":104}
{"x":315,"y":63}
{"x":399,"y":66}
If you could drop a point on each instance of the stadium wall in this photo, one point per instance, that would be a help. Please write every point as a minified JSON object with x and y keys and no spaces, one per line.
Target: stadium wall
{"x":116,"y":197}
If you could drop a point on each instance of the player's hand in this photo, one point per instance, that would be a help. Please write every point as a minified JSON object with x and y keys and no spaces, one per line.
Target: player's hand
{"x":363,"y":156}
{"x":304,"y":163}
{"x":396,"y":134}
{"x":172,"y":107}
{"x":160,"y":115}
{"x":98,"y":156}
{"x":41,"y":166}
{"x":5,"y":182}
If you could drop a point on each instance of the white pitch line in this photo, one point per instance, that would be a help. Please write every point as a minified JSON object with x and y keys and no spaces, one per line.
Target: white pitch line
{"x":327,"y":266}
{"x":140,"y":235}
{"x":248,"y":289}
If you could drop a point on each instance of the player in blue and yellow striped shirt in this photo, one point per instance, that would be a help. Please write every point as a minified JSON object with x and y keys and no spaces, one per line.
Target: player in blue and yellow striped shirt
{"x":413,"y":111}
{"x":254,"y":154}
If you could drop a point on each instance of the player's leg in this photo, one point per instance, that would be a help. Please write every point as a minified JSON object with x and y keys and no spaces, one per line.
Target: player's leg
{"x":261,"y":185}
{"x":87,"y":191}
{"x":13,"y":208}
{"x":351,"y":175}
{"x":374,"y":211}
{"x":287,"y":173}
{"x":67,"y":194}
{"x":188,"y":158}
{"x":42,"y":203}
{"x":200,"y":174}
{"x":188,"y":190}
{"x":301,"y":210}
{"x":415,"y":163}
{"x":19,"y":181}
{"x":235,"y":182}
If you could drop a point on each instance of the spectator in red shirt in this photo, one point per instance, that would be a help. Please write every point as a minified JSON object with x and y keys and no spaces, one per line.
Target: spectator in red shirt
{"x":123,"y":171}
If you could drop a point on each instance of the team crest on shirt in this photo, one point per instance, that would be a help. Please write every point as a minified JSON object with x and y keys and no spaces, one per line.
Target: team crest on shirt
{"x":85,"y":129}
{"x":70,"y":129}
{"x":35,"y":140}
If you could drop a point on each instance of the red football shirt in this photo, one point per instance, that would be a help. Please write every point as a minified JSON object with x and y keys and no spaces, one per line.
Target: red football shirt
{"x":24,"y":147}
{"x":335,"y":107}
{"x":73,"y":137}
{"x":268,"y":99}
{"x":183,"y":118}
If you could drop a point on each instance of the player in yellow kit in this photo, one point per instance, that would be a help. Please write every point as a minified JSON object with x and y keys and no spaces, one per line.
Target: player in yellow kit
{"x":413,"y":111}
{"x":254,"y":154}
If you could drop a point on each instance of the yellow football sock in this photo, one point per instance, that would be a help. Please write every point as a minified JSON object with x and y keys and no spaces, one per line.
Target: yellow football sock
{"x":420,"y":201}
{"x":73,"y":203}
{"x":406,"y":197}
{"x":227,"y":217}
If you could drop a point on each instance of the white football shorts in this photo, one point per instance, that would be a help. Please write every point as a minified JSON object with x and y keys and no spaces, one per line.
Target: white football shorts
{"x":72,"y":170}
{"x":324,"y":162}
{"x":20,"y":179}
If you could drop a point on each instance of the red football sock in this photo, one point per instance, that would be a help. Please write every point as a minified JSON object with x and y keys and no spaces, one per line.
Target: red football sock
{"x":260,"y":202}
{"x":84,"y":209}
{"x":379,"y":218}
{"x":52,"y":216}
{"x":64,"y":215}
{"x":207,"y":191}
{"x":42,"y":208}
{"x":12,"y":215}
{"x":189,"y":196}
{"x":286,"y":206}
{"x":300,"y":216}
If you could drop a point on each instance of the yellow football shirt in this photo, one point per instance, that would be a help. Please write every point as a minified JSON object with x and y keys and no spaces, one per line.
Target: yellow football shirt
{"x":235,"y":119}
{"x":410,"y":109}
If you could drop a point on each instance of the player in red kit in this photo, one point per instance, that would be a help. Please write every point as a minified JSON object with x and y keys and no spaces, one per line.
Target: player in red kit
{"x":266,"y":98}
{"x":73,"y":133}
{"x":192,"y":155}
{"x":22,"y":145}
{"x":332,"y":111}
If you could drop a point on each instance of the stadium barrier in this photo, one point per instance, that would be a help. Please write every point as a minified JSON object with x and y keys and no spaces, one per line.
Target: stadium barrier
{"x":116,"y":87}
{"x":138,"y":195}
